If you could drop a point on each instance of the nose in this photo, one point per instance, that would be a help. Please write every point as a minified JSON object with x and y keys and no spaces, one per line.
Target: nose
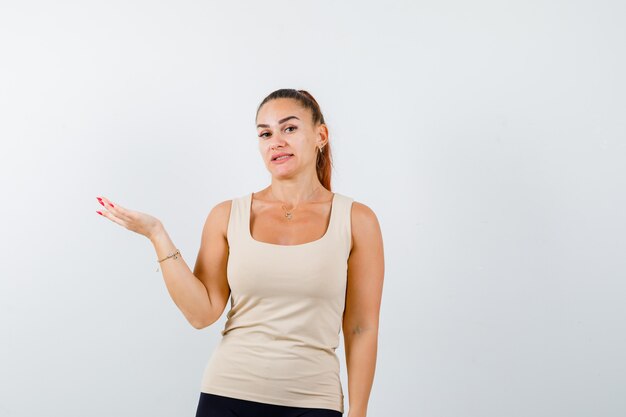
{"x":276,"y":141}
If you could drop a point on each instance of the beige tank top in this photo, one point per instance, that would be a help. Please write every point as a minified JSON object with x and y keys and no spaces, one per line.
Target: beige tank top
{"x":286,"y":308}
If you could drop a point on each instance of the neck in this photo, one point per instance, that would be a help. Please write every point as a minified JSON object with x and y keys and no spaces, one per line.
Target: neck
{"x":293,"y":193}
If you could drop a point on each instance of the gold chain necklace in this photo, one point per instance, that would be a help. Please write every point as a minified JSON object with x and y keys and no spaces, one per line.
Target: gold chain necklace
{"x":288,"y":213}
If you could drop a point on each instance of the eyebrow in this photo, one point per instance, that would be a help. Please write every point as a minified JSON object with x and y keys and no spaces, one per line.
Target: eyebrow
{"x":279,"y":122}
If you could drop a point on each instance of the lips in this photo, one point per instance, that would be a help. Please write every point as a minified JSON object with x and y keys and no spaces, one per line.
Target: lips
{"x":280,"y":154}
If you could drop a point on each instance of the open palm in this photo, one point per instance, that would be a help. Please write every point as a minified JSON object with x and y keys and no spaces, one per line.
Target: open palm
{"x":138,"y":222}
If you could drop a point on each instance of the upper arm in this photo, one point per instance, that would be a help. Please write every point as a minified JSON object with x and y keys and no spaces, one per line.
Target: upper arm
{"x":212,"y":259}
{"x":366,"y":268}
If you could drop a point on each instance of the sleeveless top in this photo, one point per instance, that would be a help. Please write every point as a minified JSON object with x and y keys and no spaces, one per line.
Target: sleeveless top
{"x":286,"y":309}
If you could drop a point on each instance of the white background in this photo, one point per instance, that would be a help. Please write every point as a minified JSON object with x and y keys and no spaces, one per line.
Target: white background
{"x":489,"y":137}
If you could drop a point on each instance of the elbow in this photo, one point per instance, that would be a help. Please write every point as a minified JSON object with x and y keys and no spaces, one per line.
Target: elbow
{"x":202,"y":322}
{"x":197,"y":321}
{"x":199,"y":325}
{"x":358,"y":330}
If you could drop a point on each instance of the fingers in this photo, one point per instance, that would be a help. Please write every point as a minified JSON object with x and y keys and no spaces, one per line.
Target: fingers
{"x":135,"y":221}
{"x":113,"y":218}
{"x":114,"y":208}
{"x":106,"y":202}
{"x":113,"y":211}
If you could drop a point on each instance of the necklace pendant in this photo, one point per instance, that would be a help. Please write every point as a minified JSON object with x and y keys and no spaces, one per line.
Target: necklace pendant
{"x":288,"y":216}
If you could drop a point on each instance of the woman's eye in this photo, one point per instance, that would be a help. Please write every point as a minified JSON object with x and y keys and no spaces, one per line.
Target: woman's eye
{"x":262,"y":135}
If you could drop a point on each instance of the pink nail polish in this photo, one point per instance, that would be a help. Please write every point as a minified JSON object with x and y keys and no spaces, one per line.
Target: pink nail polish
{"x":111,"y":205}
{"x":101,"y":203}
{"x":99,"y":213}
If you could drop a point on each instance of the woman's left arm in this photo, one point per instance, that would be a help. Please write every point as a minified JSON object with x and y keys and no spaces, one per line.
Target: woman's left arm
{"x":366,"y":269}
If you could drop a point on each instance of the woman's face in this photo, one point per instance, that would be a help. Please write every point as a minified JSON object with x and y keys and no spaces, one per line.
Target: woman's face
{"x":285,"y":127}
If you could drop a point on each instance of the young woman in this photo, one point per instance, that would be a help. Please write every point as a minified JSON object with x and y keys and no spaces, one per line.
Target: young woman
{"x":298,"y":262}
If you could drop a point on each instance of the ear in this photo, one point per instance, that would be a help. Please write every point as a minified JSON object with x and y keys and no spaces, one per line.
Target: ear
{"x":322,"y":133}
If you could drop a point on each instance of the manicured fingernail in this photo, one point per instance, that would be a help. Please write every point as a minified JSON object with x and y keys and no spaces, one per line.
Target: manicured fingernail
{"x":99,"y":213}
{"x":99,"y":199}
{"x":101,"y":202}
{"x":111,"y":205}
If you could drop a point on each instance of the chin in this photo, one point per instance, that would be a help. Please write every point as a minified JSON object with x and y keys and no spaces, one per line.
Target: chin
{"x":282,"y":173}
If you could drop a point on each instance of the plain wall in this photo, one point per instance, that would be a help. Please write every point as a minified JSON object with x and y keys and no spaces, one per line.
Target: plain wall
{"x":488,"y":137}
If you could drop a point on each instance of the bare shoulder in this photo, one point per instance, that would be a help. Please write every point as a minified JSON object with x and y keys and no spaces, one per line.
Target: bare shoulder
{"x":223,"y":208}
{"x":364,"y":224}
{"x":218,"y":217}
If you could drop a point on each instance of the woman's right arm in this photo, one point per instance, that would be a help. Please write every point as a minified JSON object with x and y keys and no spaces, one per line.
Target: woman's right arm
{"x":200,"y":295}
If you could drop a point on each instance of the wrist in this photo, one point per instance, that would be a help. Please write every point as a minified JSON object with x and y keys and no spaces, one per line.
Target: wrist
{"x":157,"y":232}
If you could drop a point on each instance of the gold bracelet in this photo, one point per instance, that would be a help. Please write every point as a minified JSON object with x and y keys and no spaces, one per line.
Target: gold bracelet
{"x":173,"y":254}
